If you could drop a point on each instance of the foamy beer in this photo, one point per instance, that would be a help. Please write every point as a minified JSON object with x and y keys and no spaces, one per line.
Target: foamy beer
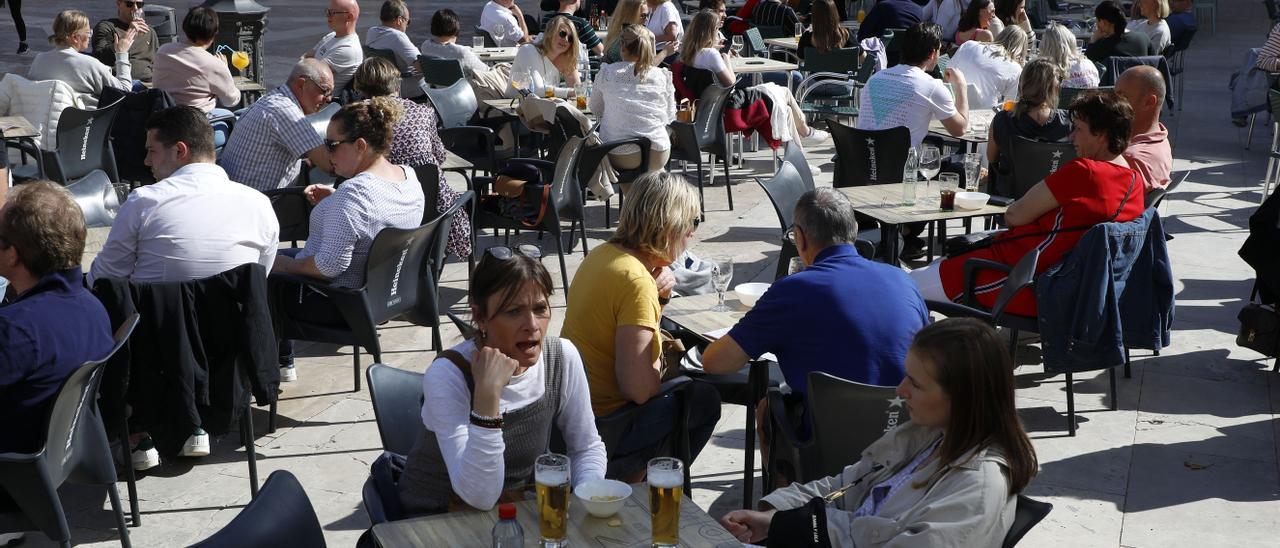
{"x":551,"y":473}
{"x":666,"y":488}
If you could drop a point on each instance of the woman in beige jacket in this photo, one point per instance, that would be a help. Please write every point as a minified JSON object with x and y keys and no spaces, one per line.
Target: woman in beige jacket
{"x":948,"y":477}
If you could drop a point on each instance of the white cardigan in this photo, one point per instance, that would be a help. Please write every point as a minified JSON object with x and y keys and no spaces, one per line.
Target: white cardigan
{"x":85,"y":74}
{"x":634,"y":106}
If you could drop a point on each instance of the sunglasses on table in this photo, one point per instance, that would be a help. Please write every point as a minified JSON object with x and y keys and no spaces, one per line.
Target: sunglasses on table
{"x":504,"y":253}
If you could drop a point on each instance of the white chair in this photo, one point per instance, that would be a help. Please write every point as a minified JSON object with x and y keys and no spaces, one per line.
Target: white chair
{"x":40,"y":102}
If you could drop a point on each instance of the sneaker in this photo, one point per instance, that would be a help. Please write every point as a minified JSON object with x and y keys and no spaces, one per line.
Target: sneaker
{"x":815,"y":169}
{"x":288,"y":373}
{"x":12,"y":539}
{"x":197,"y":445}
{"x":144,"y":455}
{"x":815,"y":137}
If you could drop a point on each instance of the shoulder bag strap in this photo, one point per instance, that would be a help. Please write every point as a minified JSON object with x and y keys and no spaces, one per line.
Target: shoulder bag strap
{"x":463,"y":366}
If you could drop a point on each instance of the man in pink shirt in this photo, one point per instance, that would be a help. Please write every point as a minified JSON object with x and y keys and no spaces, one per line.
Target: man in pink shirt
{"x":1148,"y":153}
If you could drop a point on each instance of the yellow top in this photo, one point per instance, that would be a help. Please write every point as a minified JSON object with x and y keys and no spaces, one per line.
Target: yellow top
{"x":612,"y":288}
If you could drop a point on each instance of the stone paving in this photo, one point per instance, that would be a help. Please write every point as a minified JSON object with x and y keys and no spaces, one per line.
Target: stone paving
{"x":1189,"y":459}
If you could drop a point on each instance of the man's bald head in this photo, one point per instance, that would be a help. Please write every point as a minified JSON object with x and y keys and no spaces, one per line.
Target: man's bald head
{"x":342,"y":16}
{"x":1145,"y":80}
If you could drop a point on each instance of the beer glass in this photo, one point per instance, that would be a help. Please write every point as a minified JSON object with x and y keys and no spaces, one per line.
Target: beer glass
{"x":551,"y":473}
{"x":666,"y":488}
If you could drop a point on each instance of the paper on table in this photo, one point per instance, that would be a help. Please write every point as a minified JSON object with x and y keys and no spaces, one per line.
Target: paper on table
{"x":717,"y":333}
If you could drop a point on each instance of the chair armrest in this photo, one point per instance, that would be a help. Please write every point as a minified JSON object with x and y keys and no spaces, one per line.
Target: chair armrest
{"x":782,"y":423}
{"x":326,"y":285}
{"x":956,"y":310}
{"x":19,"y":458}
{"x":971,"y":269}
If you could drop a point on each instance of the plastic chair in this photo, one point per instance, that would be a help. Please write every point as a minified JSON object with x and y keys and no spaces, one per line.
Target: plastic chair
{"x":1176,"y":53}
{"x":565,"y":204}
{"x":281,"y":516}
{"x":293,"y":212}
{"x":128,"y":133}
{"x":1273,"y":156}
{"x":489,"y":42}
{"x":784,"y":190}
{"x":594,"y":155}
{"x":754,"y":43}
{"x":76,"y":128}
{"x":795,"y":155}
{"x":1212,"y":7}
{"x":1036,"y":160}
{"x":705,"y":134}
{"x":612,"y":426}
{"x":868,"y":157}
{"x":397,"y":406}
{"x":427,"y":311}
{"x":1156,"y":196}
{"x":75,"y":451}
{"x":1029,"y":512}
{"x":387,"y":54}
{"x":835,"y":442}
{"x":397,"y":254}
{"x":440,"y":73}
{"x":456,"y":106}
{"x":1117,"y":65}
{"x":824,"y":69}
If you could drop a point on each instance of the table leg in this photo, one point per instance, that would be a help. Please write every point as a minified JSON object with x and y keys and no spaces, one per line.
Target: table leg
{"x":757,"y":380}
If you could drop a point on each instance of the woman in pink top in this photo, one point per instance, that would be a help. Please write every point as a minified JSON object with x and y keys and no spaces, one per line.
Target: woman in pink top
{"x":194,"y":77}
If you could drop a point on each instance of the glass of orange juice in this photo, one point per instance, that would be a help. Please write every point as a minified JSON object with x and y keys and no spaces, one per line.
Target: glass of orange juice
{"x":240,"y":60}
{"x":1008,"y":105}
{"x":549,"y":93}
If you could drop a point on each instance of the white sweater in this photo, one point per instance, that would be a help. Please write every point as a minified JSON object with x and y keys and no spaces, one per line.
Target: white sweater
{"x":83,"y":73}
{"x":631,"y":106}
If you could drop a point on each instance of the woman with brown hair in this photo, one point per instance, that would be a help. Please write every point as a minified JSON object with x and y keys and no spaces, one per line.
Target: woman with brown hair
{"x":827,"y":33}
{"x":950,"y":475}
{"x":491,"y":401}
{"x":975,"y":22}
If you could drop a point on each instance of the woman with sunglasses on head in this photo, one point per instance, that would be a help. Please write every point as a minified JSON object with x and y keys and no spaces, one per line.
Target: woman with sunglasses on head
{"x":376,"y":195}
{"x":635,"y":99}
{"x":615,"y":304}
{"x":551,"y":62}
{"x":950,"y":476}
{"x":490,"y":402}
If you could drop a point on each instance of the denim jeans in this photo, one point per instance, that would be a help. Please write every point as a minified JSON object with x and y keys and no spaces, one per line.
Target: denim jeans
{"x":220,"y":129}
{"x":656,"y":420}
{"x":303,"y":303}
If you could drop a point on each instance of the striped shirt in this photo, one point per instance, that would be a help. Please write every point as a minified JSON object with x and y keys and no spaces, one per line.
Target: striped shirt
{"x":344,"y":224}
{"x":772,"y":13}
{"x":269,"y":139}
{"x":1269,"y":55}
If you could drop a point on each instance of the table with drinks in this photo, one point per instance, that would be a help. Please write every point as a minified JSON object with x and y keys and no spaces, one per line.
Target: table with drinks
{"x":495,"y":55}
{"x":656,"y":513}
{"x":913,"y":202}
{"x":977,"y":131}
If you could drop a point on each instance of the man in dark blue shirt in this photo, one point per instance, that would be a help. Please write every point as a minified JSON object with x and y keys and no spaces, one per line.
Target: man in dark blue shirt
{"x":1182,"y":20}
{"x":52,"y":325}
{"x":889,"y":14}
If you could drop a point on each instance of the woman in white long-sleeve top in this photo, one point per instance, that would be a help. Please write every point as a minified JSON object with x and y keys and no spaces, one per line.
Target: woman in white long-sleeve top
{"x":490,"y":402}
{"x":551,"y":62}
{"x":948,"y":477}
{"x":83,"y":73}
{"x":635,"y":99}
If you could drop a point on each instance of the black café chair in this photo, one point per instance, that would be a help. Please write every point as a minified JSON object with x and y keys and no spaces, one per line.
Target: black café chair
{"x":440,"y":73}
{"x":834,"y":441}
{"x":868,"y":157}
{"x":1155,"y":197}
{"x":386,"y":54}
{"x":705,"y":134}
{"x":427,"y":311}
{"x":397,"y":254}
{"x":792,"y":153}
{"x":68,"y":164}
{"x":1029,"y":512}
{"x":397,"y":406}
{"x":784,"y":190}
{"x":456,"y":106}
{"x":293,"y":212}
{"x":594,"y":155}
{"x":75,"y":451}
{"x":281,"y":515}
{"x":1035,"y":161}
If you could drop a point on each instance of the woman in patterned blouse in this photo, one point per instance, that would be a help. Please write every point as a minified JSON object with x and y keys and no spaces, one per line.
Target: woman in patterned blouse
{"x":415,"y":141}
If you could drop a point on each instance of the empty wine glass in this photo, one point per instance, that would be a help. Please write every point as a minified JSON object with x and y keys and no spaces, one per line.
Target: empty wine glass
{"x":499,"y":31}
{"x":930,"y":165}
{"x":737,"y":45}
{"x":721,"y":276}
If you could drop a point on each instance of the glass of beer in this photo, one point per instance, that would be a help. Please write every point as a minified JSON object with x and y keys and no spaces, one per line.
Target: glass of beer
{"x":549,"y":92}
{"x":666,"y":488}
{"x":551,"y":473}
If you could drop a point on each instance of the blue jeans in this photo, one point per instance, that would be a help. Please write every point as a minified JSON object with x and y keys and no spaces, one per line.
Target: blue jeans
{"x":220,"y":129}
{"x":655,"y":421}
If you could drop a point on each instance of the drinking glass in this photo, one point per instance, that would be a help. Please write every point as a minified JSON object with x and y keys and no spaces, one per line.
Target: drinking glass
{"x":666,"y":489}
{"x":520,"y":79}
{"x":972,"y":169}
{"x":498,"y":32}
{"x":948,"y":183}
{"x":799,"y":30}
{"x":477,"y":42}
{"x":551,"y":473}
{"x":737,"y":44}
{"x":721,"y":275}
{"x":930,"y":164}
{"x":240,"y":60}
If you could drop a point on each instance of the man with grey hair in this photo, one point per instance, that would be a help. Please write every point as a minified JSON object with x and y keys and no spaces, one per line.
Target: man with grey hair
{"x":274,"y":133}
{"x":390,"y":36}
{"x":844,"y":314}
{"x":1148,"y":153}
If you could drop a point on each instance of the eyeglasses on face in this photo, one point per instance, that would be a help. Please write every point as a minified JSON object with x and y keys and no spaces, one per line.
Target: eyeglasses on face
{"x":790,"y":234}
{"x":504,"y":253}
{"x":133,"y":5}
{"x":331,"y":13}
{"x":332,"y":144}
{"x":323,"y":89}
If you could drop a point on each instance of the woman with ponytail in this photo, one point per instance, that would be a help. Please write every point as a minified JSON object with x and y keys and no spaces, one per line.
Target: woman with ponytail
{"x":376,"y":195}
{"x":635,"y":99}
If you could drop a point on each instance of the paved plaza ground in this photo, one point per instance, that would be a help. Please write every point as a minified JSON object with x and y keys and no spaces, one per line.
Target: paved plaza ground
{"x":1189,"y":459}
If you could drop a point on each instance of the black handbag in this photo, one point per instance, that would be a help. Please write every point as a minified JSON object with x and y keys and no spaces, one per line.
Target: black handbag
{"x":1259,"y":327}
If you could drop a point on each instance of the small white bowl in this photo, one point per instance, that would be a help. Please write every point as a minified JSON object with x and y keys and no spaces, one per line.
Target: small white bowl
{"x":751,"y":292}
{"x":615,"y":492}
{"x":971,"y":200}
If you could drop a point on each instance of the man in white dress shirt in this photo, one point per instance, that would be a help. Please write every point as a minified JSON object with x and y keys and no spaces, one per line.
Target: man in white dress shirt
{"x":340,"y":48}
{"x":194,"y":222}
{"x":504,"y":21}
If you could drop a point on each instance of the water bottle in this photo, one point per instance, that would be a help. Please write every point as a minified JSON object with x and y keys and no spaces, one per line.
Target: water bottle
{"x":909,"y":177}
{"x":507,"y":533}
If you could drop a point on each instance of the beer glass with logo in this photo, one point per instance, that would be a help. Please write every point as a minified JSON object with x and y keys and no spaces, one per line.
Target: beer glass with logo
{"x":551,"y":473}
{"x":666,"y":488}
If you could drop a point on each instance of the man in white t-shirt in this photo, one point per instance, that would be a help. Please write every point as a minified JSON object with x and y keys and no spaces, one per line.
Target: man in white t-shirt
{"x":993,"y":73}
{"x":905,"y":94}
{"x":665,"y":24}
{"x":504,"y":21}
{"x":340,"y":49}
{"x":390,"y":36}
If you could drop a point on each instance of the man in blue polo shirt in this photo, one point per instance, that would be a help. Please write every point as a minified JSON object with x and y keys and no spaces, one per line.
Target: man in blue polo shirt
{"x":844,"y":315}
{"x":53,"y":324}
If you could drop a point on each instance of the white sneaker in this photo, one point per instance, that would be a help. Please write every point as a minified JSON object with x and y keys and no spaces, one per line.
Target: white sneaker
{"x":144,"y":455}
{"x":815,"y":169}
{"x":288,"y":373}
{"x":815,"y":137}
{"x":197,"y":445}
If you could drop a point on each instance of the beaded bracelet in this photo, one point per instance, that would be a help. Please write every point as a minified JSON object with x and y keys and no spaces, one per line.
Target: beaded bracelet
{"x":486,"y":422}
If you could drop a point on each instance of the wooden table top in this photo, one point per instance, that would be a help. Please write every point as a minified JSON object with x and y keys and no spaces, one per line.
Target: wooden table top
{"x":982,"y":116}
{"x":496,"y":55}
{"x":790,"y":42}
{"x":694,"y":313}
{"x":884,"y":204}
{"x":754,"y":65}
{"x":508,"y":106}
{"x":473,"y":528}
{"x":17,"y":127}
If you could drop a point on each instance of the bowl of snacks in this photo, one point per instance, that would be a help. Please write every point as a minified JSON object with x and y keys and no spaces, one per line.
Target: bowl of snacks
{"x":603,"y":497}
{"x":751,"y":292}
{"x":971,"y":200}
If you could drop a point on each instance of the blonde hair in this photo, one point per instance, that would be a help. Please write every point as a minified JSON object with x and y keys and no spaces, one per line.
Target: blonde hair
{"x":376,"y":77}
{"x":1013,"y":40}
{"x":1059,"y":47}
{"x":548,"y":34}
{"x":1039,"y":84}
{"x":66,"y":24}
{"x":700,"y":34}
{"x":1162,"y":10}
{"x":627,"y":13}
{"x":660,"y":210}
{"x":637,"y":41}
